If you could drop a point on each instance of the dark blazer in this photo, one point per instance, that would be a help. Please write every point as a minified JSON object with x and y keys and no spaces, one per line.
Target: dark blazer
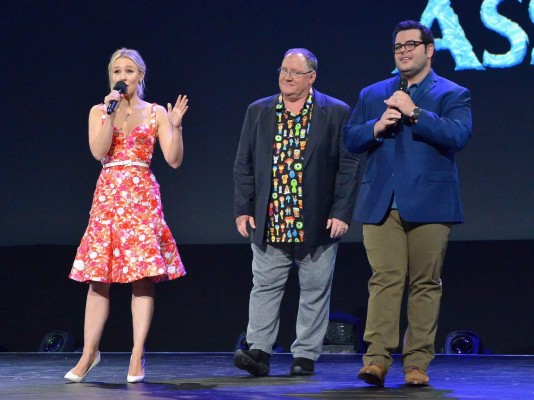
{"x":417,"y":162}
{"x":330,"y":172}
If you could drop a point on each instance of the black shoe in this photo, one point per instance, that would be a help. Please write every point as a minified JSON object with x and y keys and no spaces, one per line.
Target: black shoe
{"x":302,"y":366}
{"x":255,"y":362}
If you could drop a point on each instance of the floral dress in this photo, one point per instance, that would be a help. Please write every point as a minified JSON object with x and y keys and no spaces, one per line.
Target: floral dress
{"x":127,"y":238}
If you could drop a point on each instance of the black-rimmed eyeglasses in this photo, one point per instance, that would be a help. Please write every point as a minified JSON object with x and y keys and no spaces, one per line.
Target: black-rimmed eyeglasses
{"x":292,"y":74}
{"x":409,"y":46}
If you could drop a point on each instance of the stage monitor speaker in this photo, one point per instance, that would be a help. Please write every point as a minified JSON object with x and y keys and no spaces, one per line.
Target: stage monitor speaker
{"x":463,"y":342}
{"x":57,"y":341}
{"x":343,"y":329}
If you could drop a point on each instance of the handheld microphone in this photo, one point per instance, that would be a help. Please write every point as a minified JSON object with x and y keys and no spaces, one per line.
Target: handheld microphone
{"x":403,"y":85}
{"x":120,"y":86}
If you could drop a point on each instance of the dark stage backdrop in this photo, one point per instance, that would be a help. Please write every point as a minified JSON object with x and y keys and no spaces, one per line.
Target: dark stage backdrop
{"x":224,"y":55}
{"x":487,"y":290}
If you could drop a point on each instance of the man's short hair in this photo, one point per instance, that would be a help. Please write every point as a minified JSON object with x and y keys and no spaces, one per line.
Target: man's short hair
{"x":311,"y":60}
{"x":426,"y":34}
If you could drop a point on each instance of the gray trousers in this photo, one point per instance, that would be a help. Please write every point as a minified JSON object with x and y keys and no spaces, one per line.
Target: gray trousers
{"x":270,"y":269}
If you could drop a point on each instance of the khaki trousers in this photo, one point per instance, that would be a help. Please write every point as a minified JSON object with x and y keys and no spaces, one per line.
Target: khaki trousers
{"x":401,"y":252}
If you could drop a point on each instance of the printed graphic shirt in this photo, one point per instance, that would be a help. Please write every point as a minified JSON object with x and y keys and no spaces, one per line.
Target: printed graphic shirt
{"x":285,"y":223}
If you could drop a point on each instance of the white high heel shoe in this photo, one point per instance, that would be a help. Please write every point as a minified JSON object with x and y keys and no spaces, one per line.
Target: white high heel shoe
{"x":77,"y":379}
{"x":137,"y":378}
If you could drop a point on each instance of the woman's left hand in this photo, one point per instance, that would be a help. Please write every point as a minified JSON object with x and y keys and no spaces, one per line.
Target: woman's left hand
{"x":177,"y":112}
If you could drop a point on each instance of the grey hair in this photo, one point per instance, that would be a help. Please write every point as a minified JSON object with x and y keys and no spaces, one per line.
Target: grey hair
{"x":311,"y":60}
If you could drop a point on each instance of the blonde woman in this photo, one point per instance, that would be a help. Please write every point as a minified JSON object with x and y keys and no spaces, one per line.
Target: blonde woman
{"x":127,"y":239}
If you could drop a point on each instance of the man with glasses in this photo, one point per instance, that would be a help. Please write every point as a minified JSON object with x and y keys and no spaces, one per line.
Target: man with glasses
{"x":410,"y":126}
{"x":295,"y":186}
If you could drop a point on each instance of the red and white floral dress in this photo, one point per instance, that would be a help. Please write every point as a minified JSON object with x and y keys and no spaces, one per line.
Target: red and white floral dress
{"x":127,"y":238}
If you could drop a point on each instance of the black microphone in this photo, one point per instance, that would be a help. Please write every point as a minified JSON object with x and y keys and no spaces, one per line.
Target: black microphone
{"x":403,"y":85}
{"x":120,"y":86}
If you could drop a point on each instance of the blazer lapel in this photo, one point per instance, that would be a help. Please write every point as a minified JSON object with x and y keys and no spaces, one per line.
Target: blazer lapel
{"x":392,"y":86}
{"x":317,"y":122}
{"x":428,"y":86}
{"x":267,"y":127}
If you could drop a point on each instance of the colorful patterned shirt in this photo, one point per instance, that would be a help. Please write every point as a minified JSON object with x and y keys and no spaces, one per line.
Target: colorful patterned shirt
{"x":285,"y":223}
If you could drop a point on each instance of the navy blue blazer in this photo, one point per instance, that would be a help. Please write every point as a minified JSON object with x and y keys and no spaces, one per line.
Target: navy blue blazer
{"x":416,"y":162}
{"x":330,"y":172}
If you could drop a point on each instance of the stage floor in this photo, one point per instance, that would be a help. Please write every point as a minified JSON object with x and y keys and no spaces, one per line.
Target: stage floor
{"x":213,"y":376}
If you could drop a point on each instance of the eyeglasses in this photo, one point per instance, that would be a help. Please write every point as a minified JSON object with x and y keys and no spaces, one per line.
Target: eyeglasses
{"x":292,"y":74}
{"x":409,"y":46}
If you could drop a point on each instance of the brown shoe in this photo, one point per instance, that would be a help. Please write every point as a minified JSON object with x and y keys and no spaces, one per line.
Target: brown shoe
{"x":415,"y":377}
{"x":373,"y":373}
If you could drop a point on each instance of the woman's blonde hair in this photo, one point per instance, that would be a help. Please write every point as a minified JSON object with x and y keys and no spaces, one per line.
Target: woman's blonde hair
{"x":138,"y":61}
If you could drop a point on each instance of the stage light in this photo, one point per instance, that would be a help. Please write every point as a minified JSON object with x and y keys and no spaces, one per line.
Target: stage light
{"x":57,"y":341}
{"x":341,"y":328}
{"x":463,"y":342}
{"x":344,"y":334}
{"x":339,"y":333}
